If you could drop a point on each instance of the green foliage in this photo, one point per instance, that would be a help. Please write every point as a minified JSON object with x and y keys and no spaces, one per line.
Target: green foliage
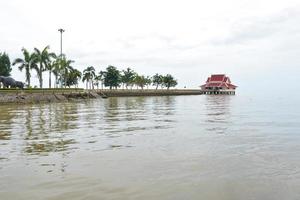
{"x":72,"y":77}
{"x":88,"y":77}
{"x":169,"y":81}
{"x":43,"y":58}
{"x":140,"y":81}
{"x":39,"y":61}
{"x":56,"y":69}
{"x":157,"y":80}
{"x":112,"y":77}
{"x":51,"y":66}
{"x":148,"y":81}
{"x":26,"y":63}
{"x":62,"y":67}
{"x":99,"y":78}
{"x":5,"y":67}
{"x":66,"y":75}
{"x":127,"y":77}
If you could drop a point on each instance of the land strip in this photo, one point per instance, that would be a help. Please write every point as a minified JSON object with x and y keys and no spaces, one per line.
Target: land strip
{"x":56,"y":95}
{"x":146,"y":92}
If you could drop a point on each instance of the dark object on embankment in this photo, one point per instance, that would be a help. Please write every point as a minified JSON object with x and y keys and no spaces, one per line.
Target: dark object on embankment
{"x":7,"y":82}
{"x":20,"y":85}
{"x":10,"y":82}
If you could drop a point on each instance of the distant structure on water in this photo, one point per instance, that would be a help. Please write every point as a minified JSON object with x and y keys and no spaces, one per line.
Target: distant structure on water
{"x":218,"y":84}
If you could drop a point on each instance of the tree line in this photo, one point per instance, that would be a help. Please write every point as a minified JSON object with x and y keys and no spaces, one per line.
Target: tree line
{"x":67,"y":76}
{"x":128,"y":78}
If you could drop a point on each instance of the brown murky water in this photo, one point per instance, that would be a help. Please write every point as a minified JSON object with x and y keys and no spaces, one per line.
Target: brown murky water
{"x":185,"y":147}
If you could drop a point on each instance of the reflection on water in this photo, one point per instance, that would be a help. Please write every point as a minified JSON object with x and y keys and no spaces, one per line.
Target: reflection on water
{"x":217,"y":110}
{"x":50,"y":127}
{"x":185,"y":147}
{"x":44,"y":126}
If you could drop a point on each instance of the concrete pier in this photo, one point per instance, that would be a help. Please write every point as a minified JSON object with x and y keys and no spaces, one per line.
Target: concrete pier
{"x":218,"y":92}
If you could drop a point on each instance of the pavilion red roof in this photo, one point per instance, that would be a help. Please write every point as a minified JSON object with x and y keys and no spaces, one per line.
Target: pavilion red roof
{"x":218,"y":80}
{"x":213,"y":84}
{"x":217,"y":77}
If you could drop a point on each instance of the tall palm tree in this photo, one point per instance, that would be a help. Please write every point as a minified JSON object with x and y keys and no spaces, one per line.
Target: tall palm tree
{"x":76,"y":74}
{"x":27,"y":63}
{"x":140,"y":81}
{"x":64,"y":68}
{"x":127,"y":77}
{"x":101,"y":77}
{"x":97,"y":80}
{"x":43,"y":58}
{"x":88,"y":76}
{"x":56,"y":70}
{"x":50,"y":67}
{"x":72,"y":77}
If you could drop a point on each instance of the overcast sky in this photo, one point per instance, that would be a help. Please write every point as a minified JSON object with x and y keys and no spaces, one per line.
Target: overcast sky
{"x":253,"y":41}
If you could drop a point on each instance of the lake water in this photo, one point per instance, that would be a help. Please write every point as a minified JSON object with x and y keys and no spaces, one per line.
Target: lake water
{"x":177,"y":147}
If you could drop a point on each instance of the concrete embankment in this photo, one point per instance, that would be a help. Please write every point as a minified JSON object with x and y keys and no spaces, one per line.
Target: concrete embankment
{"x":146,"y":92}
{"x":37,"y":96}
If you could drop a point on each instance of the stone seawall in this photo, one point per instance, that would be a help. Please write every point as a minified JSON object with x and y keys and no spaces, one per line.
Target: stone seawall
{"x":19,"y":96}
{"x":146,"y":92}
{"x":23,"y":97}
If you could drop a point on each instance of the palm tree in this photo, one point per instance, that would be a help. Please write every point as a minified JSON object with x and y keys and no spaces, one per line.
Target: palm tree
{"x":148,"y":81}
{"x":101,"y":77}
{"x":127,"y":77}
{"x":43,"y":58}
{"x":85,"y":78}
{"x":64,"y":68}
{"x":50,"y":67}
{"x":56,"y":70}
{"x":61,"y":67}
{"x":97,"y":80}
{"x":88,"y":76}
{"x":27,"y":63}
{"x":77,"y":76}
{"x":72,"y":77}
{"x":140,"y":81}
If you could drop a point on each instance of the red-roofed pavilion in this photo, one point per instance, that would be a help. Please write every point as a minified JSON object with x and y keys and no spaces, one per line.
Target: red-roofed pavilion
{"x":218,"y":84}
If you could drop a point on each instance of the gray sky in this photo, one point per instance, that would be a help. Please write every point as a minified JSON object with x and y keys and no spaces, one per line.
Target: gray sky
{"x":256,"y":42}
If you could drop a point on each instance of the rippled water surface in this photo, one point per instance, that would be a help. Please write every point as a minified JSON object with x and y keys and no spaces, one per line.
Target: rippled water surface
{"x":184,"y":147}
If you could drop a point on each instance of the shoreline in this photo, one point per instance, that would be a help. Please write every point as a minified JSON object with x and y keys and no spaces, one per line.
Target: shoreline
{"x":146,"y":92}
{"x":47,"y":95}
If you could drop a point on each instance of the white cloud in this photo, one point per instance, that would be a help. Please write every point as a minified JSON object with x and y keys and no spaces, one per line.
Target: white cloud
{"x":190,"y":39}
